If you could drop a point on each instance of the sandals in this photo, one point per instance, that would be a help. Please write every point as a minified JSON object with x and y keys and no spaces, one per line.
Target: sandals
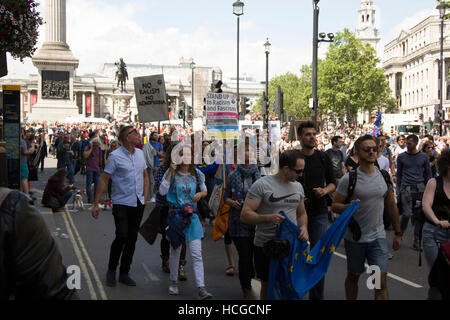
{"x":230,"y":271}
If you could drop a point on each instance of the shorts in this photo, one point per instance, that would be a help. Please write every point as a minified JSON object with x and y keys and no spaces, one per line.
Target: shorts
{"x":375,"y":252}
{"x":262,"y":264}
{"x":24,"y":170}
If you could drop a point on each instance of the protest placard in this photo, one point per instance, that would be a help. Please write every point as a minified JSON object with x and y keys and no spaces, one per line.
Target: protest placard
{"x":151,"y":98}
{"x":221,"y":116}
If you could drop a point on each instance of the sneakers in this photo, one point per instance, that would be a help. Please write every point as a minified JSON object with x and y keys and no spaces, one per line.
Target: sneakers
{"x":111,"y":278}
{"x":203,"y":294}
{"x":390,"y":256}
{"x":181,"y":271}
{"x":125,"y":279}
{"x":173,"y":288}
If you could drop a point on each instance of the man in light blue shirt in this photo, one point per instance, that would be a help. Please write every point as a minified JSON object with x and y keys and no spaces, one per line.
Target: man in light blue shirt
{"x":127,"y":169}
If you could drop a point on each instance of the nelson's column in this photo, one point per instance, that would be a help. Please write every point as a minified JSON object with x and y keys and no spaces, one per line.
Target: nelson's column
{"x":56,"y":67}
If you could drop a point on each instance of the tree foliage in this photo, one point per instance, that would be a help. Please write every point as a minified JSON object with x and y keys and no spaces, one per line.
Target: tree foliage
{"x":369,"y":88}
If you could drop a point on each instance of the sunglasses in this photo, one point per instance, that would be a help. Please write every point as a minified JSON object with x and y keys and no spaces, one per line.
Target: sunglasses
{"x":368,"y":149}
{"x":134,"y":130}
{"x":299,"y":171}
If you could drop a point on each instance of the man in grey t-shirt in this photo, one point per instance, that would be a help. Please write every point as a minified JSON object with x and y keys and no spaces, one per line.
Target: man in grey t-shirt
{"x":265,"y":199}
{"x":374,"y":195}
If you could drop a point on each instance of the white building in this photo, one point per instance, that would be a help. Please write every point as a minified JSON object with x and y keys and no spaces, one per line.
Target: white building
{"x":366,"y":30}
{"x":412,"y":68}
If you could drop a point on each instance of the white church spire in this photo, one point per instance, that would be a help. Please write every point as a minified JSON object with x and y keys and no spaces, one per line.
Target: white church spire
{"x":366,"y":30}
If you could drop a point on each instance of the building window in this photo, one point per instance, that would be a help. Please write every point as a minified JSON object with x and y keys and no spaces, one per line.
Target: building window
{"x":448,"y":92}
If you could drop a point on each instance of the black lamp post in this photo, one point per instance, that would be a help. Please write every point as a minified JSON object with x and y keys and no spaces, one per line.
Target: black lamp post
{"x":316,"y":42}
{"x":192,"y":87}
{"x":238,"y":10}
{"x":442,"y":7}
{"x":266,"y":113}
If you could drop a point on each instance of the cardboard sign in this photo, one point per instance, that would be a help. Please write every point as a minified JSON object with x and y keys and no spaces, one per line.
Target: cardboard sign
{"x":151,"y":98}
{"x":274,"y":131}
{"x":221,"y":116}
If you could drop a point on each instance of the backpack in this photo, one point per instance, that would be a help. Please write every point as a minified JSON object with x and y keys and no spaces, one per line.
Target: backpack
{"x":352,"y":176}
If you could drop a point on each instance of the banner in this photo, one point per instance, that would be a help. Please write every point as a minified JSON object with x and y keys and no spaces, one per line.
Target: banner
{"x":221,"y":116}
{"x":11,"y":133}
{"x":151,"y":98}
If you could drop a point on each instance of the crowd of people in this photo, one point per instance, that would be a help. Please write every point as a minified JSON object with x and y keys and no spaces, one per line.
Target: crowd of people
{"x":396,"y":179}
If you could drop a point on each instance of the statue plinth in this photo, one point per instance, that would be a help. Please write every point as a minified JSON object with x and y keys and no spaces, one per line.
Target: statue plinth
{"x":121,"y":105}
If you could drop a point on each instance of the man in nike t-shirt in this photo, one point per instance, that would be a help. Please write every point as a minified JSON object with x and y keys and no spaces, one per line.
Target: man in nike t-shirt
{"x":265,"y":199}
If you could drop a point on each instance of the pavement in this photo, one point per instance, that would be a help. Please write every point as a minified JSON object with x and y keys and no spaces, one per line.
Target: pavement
{"x":88,"y":243}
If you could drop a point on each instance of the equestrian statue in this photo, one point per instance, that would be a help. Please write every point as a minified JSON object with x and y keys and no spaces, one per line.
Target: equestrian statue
{"x":121,"y":74}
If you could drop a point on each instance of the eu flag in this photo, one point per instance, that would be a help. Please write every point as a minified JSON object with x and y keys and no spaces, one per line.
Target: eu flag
{"x":292,"y":277}
{"x":377,"y":124}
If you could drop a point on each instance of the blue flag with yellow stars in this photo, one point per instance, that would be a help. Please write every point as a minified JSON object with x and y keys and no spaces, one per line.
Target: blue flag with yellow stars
{"x":292,"y":277}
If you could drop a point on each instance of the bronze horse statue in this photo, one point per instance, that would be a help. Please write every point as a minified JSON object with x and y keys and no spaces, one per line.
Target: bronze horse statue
{"x":121,"y":74}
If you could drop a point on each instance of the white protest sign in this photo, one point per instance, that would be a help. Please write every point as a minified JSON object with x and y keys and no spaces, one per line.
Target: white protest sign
{"x":151,"y":98}
{"x":221,"y":116}
{"x":274,"y":131}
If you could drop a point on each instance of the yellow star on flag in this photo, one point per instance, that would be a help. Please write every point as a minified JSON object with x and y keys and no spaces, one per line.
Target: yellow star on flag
{"x":304,"y":252}
{"x":332,"y":248}
{"x":296,"y":256}
{"x":291,"y":268}
{"x":322,"y":250}
{"x":289,"y":286}
{"x":309,"y":258}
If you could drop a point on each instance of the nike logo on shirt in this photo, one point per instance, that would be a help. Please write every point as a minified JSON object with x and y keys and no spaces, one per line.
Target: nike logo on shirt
{"x":273,"y":199}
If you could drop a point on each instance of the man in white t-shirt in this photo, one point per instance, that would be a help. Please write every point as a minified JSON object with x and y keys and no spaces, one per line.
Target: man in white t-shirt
{"x":265,"y":199}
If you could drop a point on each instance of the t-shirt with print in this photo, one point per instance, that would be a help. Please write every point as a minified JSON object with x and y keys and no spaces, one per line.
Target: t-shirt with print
{"x":274,"y":197}
{"x":370,"y":189}
{"x":337,"y":158}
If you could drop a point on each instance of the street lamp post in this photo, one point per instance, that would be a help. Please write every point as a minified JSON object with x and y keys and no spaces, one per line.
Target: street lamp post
{"x":335,"y":86}
{"x":316,"y":42}
{"x":192,"y":88}
{"x":238,"y":10}
{"x":266,"y":115}
{"x":442,"y":7}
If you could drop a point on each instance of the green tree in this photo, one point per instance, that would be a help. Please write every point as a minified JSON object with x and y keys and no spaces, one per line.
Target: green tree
{"x":297,"y":91}
{"x":369,"y":88}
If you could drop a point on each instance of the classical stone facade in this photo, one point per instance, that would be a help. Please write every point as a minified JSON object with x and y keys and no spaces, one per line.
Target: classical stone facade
{"x":412,"y":68}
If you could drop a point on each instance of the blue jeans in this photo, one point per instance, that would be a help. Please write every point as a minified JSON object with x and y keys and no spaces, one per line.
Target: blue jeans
{"x":69,"y":167}
{"x":317,"y":226}
{"x":430,"y":250}
{"x":92,"y":177}
{"x":54,"y":203}
{"x":375,"y":252}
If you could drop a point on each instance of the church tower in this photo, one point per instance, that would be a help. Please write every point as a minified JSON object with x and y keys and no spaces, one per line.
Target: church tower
{"x":366,"y":30}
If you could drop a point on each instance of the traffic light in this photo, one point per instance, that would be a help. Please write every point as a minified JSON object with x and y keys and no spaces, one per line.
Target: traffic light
{"x":190,"y":115}
{"x":246,"y":104}
{"x":217,"y":86}
{"x":180,"y":114}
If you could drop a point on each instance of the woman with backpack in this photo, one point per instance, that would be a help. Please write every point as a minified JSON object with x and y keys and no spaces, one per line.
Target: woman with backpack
{"x":436,"y":207}
{"x":242,"y":234}
{"x":184,"y":185}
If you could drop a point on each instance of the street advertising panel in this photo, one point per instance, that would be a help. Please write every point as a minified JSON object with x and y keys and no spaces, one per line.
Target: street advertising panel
{"x":151,"y":98}
{"x":11,"y":133}
{"x":222,"y":120}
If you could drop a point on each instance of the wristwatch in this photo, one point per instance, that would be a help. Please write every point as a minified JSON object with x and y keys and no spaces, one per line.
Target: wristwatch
{"x":399,"y":233}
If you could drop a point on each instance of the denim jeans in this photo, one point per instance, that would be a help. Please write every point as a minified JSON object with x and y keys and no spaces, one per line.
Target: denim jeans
{"x":430,"y":250}
{"x":69,"y":167}
{"x":92,"y":177}
{"x":317,"y":226}
{"x":54,"y":203}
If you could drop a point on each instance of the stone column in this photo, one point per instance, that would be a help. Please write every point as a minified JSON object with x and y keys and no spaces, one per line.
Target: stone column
{"x":100,"y":109}
{"x":84,"y":104}
{"x":29,"y":101}
{"x":92,"y":104}
{"x":55,"y":18}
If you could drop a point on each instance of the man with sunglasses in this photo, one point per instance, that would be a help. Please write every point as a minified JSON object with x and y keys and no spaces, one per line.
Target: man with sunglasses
{"x":374,"y":196}
{"x":319,"y":183}
{"x":413,"y":173}
{"x":265,"y":199}
{"x":127,"y":168}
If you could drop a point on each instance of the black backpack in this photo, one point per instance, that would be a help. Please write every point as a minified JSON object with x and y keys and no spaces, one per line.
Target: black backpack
{"x":351,"y":188}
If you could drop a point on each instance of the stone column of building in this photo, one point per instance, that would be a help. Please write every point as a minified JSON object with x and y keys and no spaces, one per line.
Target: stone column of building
{"x":84,"y":104}
{"x":92,"y":104}
{"x":29,"y":101}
